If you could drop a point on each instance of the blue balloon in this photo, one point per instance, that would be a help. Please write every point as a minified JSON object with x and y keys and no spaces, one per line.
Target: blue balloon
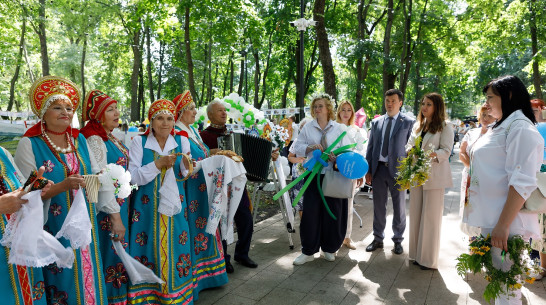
{"x":541,"y":127}
{"x":352,"y":165}
{"x":132,"y":128}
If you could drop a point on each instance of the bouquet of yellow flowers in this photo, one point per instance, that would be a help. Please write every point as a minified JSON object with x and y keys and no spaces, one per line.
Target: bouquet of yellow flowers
{"x":480,"y":260}
{"x":414,"y":169}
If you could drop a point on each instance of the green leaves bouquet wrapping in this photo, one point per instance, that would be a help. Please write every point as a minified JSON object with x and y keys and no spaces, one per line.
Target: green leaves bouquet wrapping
{"x":480,"y":261}
{"x":414,"y":169}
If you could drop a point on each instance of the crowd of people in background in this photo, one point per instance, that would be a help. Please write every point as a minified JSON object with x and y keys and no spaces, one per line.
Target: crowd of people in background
{"x":162,"y":224}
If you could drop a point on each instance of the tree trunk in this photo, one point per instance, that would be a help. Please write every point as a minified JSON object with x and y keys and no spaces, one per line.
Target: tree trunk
{"x":209,"y":74}
{"x":534,"y":47}
{"x":410,"y":45}
{"x":231,"y":72}
{"x":226,"y":76}
{"x":149,"y":64}
{"x":160,"y":72}
{"x":264,"y":83}
{"x":387,"y":48}
{"x":286,"y":86}
{"x":141,"y":101}
{"x":19,"y":61}
{"x":43,"y":38}
{"x":204,"y":83}
{"x":416,"y":101}
{"x":82,"y":66}
{"x":297,"y":78}
{"x":242,"y":75}
{"x":189,"y":59}
{"x":137,"y":61}
{"x":256,"y":79}
{"x":324,"y":49}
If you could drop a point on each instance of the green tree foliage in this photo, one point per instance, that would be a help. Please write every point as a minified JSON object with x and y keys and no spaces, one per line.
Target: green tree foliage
{"x":452,"y":47}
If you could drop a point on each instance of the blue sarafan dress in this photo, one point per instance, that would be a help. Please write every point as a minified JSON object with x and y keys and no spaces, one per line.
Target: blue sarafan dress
{"x":115,"y":275}
{"x":158,"y":241}
{"x":18,"y":284}
{"x":209,"y":267}
{"x":84,"y":283}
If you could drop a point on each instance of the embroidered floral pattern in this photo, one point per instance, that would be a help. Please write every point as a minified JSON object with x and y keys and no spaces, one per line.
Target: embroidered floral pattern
{"x":54,"y":269}
{"x":56,"y":297}
{"x":183,"y":265}
{"x":183,"y":238}
{"x":186,"y":213}
{"x":120,"y":201}
{"x":193,"y":206}
{"x":38,"y":290}
{"x":124,"y":244}
{"x":135,"y":217}
{"x":142,"y":238}
{"x":200,"y":243}
{"x":117,"y":275}
{"x":122,"y":161}
{"x":195,"y":176}
{"x":48,"y":166}
{"x":145,"y":199}
{"x":144,"y":260}
{"x":200,"y":222}
{"x":105,"y":223}
{"x":55,"y":209}
{"x":203,"y":187}
{"x":181,"y":198}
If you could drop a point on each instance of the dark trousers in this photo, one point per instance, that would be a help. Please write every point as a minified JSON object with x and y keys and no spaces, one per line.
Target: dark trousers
{"x":318,"y":230}
{"x":382,"y":183}
{"x":245,"y":228}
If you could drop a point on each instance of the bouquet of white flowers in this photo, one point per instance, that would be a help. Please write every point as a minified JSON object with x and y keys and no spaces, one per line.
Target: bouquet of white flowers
{"x":116,"y":176}
{"x":279,"y":136}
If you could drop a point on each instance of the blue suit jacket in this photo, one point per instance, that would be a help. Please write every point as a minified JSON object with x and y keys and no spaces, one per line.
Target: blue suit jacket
{"x":397,"y":143}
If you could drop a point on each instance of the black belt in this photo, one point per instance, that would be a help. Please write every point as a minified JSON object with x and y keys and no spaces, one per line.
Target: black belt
{"x":386,"y":164}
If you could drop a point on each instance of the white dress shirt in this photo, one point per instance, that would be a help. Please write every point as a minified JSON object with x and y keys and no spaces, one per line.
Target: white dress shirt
{"x":311,"y":134}
{"x":508,"y":155}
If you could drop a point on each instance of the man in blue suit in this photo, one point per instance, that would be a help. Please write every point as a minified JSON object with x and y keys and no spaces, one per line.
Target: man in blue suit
{"x":386,"y":147}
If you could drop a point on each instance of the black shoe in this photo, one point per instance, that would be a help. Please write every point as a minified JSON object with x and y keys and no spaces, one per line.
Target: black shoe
{"x":416,"y":263}
{"x":374,"y":246}
{"x":426,"y":268}
{"x":398,"y":248}
{"x":247,"y":262}
{"x":229,"y":267}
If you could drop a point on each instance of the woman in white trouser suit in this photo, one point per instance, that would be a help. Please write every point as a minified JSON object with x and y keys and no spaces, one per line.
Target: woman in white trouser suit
{"x":427,"y":201}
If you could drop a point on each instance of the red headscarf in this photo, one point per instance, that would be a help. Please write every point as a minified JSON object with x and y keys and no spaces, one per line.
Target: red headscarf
{"x":182,"y":101}
{"x":95,"y":103}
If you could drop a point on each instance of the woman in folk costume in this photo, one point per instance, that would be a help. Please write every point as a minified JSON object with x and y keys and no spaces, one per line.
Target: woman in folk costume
{"x":101,"y":114}
{"x":20,"y":284}
{"x":209,"y":268}
{"x":160,"y":236}
{"x":64,"y":153}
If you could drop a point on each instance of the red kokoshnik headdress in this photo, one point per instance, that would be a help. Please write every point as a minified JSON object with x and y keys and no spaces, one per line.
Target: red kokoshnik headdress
{"x":94,"y":105}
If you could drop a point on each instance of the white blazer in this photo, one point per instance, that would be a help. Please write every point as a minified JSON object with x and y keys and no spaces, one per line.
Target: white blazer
{"x":442,"y":144}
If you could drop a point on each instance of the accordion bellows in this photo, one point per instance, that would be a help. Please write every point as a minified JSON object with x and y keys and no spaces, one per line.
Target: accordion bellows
{"x":255,"y":151}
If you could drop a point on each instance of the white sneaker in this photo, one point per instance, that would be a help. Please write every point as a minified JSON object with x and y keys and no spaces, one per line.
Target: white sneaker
{"x":329,"y":256}
{"x":302,"y":259}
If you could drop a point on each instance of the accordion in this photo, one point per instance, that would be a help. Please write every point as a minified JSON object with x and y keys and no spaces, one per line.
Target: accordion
{"x":255,"y":151}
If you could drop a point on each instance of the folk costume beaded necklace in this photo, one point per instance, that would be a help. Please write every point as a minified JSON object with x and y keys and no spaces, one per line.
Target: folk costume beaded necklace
{"x":52,"y":145}
{"x":74,"y":165}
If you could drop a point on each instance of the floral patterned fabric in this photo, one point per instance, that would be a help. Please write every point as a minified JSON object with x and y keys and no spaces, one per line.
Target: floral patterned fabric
{"x":207,"y":257}
{"x":160,"y":242}
{"x":18,"y":285}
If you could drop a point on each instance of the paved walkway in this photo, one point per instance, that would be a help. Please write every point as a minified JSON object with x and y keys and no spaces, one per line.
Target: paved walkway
{"x":356,"y":276}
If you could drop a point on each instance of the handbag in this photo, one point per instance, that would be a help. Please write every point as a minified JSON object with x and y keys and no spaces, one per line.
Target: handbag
{"x":536,"y":203}
{"x":336,"y":185}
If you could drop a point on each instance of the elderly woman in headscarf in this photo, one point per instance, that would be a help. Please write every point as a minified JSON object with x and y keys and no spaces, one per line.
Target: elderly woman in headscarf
{"x":207,"y":257}
{"x":64,"y":153}
{"x":160,"y":235}
{"x":101,"y":114}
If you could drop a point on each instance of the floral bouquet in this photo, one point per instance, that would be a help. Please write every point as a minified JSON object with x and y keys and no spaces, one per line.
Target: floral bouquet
{"x":279,"y":136}
{"x":414,"y":169}
{"x":480,"y":260}
{"x":116,"y":176}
